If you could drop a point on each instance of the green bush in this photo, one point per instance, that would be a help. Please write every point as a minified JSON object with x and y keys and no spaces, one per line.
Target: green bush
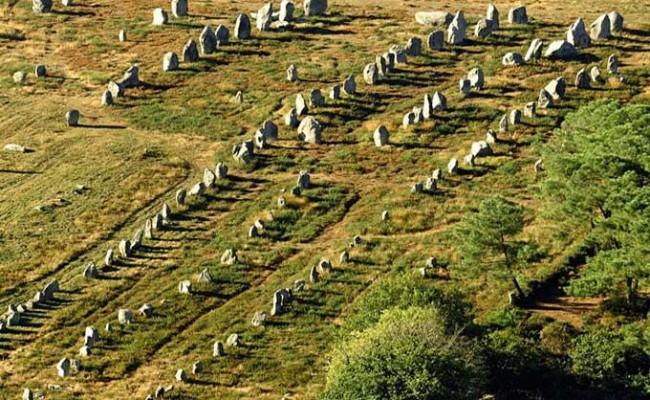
{"x":408,"y":354}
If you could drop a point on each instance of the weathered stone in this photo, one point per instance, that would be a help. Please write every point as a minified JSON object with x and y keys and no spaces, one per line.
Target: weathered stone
{"x":234,"y":340}
{"x":476,"y":78}
{"x":545,"y":100}
{"x":124,"y":316}
{"x":530,"y":109}
{"x":491,"y":137}
{"x":239,"y":97}
{"x":324,"y":265}
{"x":27,"y":395}
{"x":615,"y":21}
{"x":63,"y":367}
{"x":314,"y":7}
{"x":433,"y":18}
{"x":316,"y":98}
{"x":146,"y":310}
{"x":310,"y":130}
{"x":125,"y":248}
{"x":190,"y":51}
{"x":384,"y":215}
{"x":185,"y":287}
{"x":122,"y":35}
{"x":436,"y":40}
{"x":561,"y":50}
{"x":197,"y":368}
{"x":40,"y":71}
{"x":469,"y":160}
{"x":179,"y":8}
{"x":409,"y":119}
{"x":170,"y":61}
{"x":582,"y":80}
{"x":514,"y":118}
{"x":518,"y":15}
{"x":492,"y":17}
{"x":370,"y":74}
{"x":335,"y":92}
{"x":107,"y":98}
{"x":414,"y":46}
{"x":417,"y":115}
{"x":259,"y":139}
{"x":534,"y":50}
{"x":264,"y":17}
{"x":180,"y":197}
{"x":538,"y":166}
{"x":399,"y":53}
{"x":108,"y":259}
{"x":304,"y":180}
{"x":157,"y":222}
{"x":382,"y":68}
{"x":131,"y":78}
{"x":556,"y":88}
{"x":457,"y":29}
{"x":482,"y":29}
{"x":259,"y":318}
{"x":389,"y":58}
{"x":601,"y":28}
{"x":512,"y":59}
{"x":181,"y":376}
{"x":503,"y":124}
{"x":253,"y":232}
{"x":222,"y":34}
{"x":577,"y":34}
{"x":301,"y":105}
{"x":430,"y":185}
{"x":380,"y":137}
{"x":436,"y":174}
{"x":72,"y":117}
{"x":481,"y":149}
{"x":197,"y":190}
{"x":291,"y":119}
{"x":292,"y":73}
{"x":15,"y":147}
{"x":243,"y":27}
{"x":207,"y":41}
{"x":314,"y":276}
{"x":595,"y":75}
{"x":417,"y":188}
{"x":439,"y":102}
{"x":41,"y":6}
{"x":465,"y":87}
{"x":159,"y":16}
{"x":229,"y":257}
{"x":19,"y":77}
{"x":90,"y":271}
{"x":349,"y":85}
{"x":612,"y":64}
{"x":286,"y":11}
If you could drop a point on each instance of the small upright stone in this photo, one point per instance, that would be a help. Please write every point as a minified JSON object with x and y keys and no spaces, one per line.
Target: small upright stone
{"x":414,"y":47}
{"x":159,"y":16}
{"x":518,"y":15}
{"x":41,"y":6}
{"x":439,"y":102}
{"x":465,"y":86}
{"x":600,"y":28}
{"x":19,"y":77}
{"x":314,"y":7}
{"x":291,"y":119}
{"x":108,"y":259}
{"x":179,"y":8}
{"x":122,"y":35}
{"x":380,"y":136}
{"x":503,"y":124}
{"x":452,"y":166}
{"x":492,"y":17}
{"x":107,"y":98}
{"x":512,"y":59}
{"x":207,"y":41}
{"x":301,"y":105}
{"x":72,"y":117}
{"x":180,"y":197}
{"x":286,"y":11}
{"x":180,"y":376}
{"x":335,"y":92}
{"x":557,"y":88}
{"x":534,"y":50}
{"x":63,"y":367}
{"x":310,"y":130}
{"x":217,"y":349}
{"x":612,"y":64}
{"x":264,"y":17}
{"x":436,"y":40}
{"x":530,"y":109}
{"x":124,"y":316}
{"x":185,"y":287}
{"x":582,"y":80}
{"x":349,"y":85}
{"x":577,"y":34}
{"x":292,"y":73}
{"x":316,"y":98}
{"x":370,"y":74}
{"x":190,"y":51}
{"x":514,"y":118}
{"x":545,"y":100}
{"x":243,"y":27}
{"x":314,"y":276}
{"x":170,"y":61}
{"x":476,"y":78}
{"x":616,"y":21}
{"x":40,"y":71}
{"x":222,"y":34}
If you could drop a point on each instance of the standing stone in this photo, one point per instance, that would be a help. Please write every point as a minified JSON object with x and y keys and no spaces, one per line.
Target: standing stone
{"x":384,"y":215}
{"x":316,"y":98}
{"x":577,"y":34}
{"x":229,"y":257}
{"x":534,"y":50}
{"x":108,"y":259}
{"x":277,"y":304}
{"x":125,"y":248}
{"x":492,"y":17}
{"x":380,"y":136}
{"x":116,"y":89}
{"x":436,"y":174}
{"x":399,"y":54}
{"x":370,"y":74}
{"x":314,"y":276}
{"x":207,"y":41}
{"x":335,"y":92}
{"x":561,"y":50}
{"x":503,"y":124}
{"x":179,"y":8}
{"x":414,"y":47}
{"x":197,"y":190}
{"x":314,"y":7}
{"x":595,"y":75}
{"x":538,"y":166}
{"x":243,"y":27}
{"x":234,"y":340}
{"x":286,"y":11}
{"x":185,"y":287}
{"x":40,"y":71}
{"x":159,"y":16}
{"x":530,"y":109}
{"x":436,"y":40}
{"x":259,"y":139}
{"x":582,"y":80}
{"x":170,"y":61}
{"x":304,"y":180}
{"x":349,"y":85}
{"x":615,"y":21}
{"x":457,"y":29}
{"x":217,"y":349}
{"x":131,"y":77}
{"x":19,"y":77}
{"x":389,"y":59}
{"x":514,"y":117}
{"x":382,"y":68}
{"x":291,"y":119}
{"x":465,"y":86}
{"x":557,"y":88}
{"x":612,"y":64}
{"x":259,"y":318}
{"x":27,"y":395}
{"x":417,"y":188}
{"x":63,"y":367}
{"x":253,"y":232}
{"x":301,"y":105}
{"x":469,"y":160}
{"x":190,"y":51}
{"x":310,"y":130}
{"x":439,"y":102}
{"x":180,"y":197}
{"x":292,"y":73}
{"x":482,"y":29}
{"x":545,"y":100}
{"x":90,"y":272}
{"x":107,"y":98}
{"x":491,"y":137}
{"x":512,"y":59}
{"x":72,"y":117}
{"x":124,"y":316}
{"x":452,"y":166}
{"x":122,"y":35}
{"x":221,"y":171}
{"x":600,"y":28}
{"x":209,"y":178}
{"x":180,"y":376}
{"x":148,"y":229}
{"x":264,"y":17}
{"x":409,"y":119}
{"x":517,"y":15}
{"x":427,"y":107}
{"x":41,"y":6}
{"x":239,"y":97}
{"x":197,"y":368}
{"x":222,"y":34}
{"x":166,"y":212}
{"x":476,"y":78}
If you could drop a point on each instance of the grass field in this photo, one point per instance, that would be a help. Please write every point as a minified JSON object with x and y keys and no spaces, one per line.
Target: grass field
{"x":134,"y":155}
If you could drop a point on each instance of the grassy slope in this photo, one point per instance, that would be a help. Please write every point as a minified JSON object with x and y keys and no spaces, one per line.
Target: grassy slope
{"x":135,"y":155}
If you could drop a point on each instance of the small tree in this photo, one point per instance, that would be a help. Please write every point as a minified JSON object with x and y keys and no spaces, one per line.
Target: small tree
{"x":485,"y":239}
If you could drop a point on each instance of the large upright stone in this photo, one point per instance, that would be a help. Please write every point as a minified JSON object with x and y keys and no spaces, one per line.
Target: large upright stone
{"x":179,"y":8}
{"x":190,"y":51}
{"x":601,"y":28}
{"x":207,"y":41}
{"x":41,"y":6}
{"x":222,"y":34}
{"x":370,"y":74}
{"x":534,"y":50}
{"x":439,"y":102}
{"x":349,"y":85}
{"x":380,"y":136}
{"x":170,"y":61}
{"x":427,"y":107}
{"x":518,"y":15}
{"x":159,"y":17}
{"x":616,"y":21}
{"x":561,"y":50}
{"x":436,"y":40}
{"x":286,"y":11}
{"x":243,"y":27}
{"x":582,"y":80}
{"x":492,"y":17}
{"x":482,"y":29}
{"x":577,"y":34}
{"x":557,"y":88}
{"x":414,"y":46}
{"x":545,"y":100}
{"x":301,"y":105}
{"x":457,"y":29}
{"x":476,"y":78}
{"x":310,"y":130}
{"x":314,"y":7}
{"x":264,"y":17}
{"x":316,"y":98}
